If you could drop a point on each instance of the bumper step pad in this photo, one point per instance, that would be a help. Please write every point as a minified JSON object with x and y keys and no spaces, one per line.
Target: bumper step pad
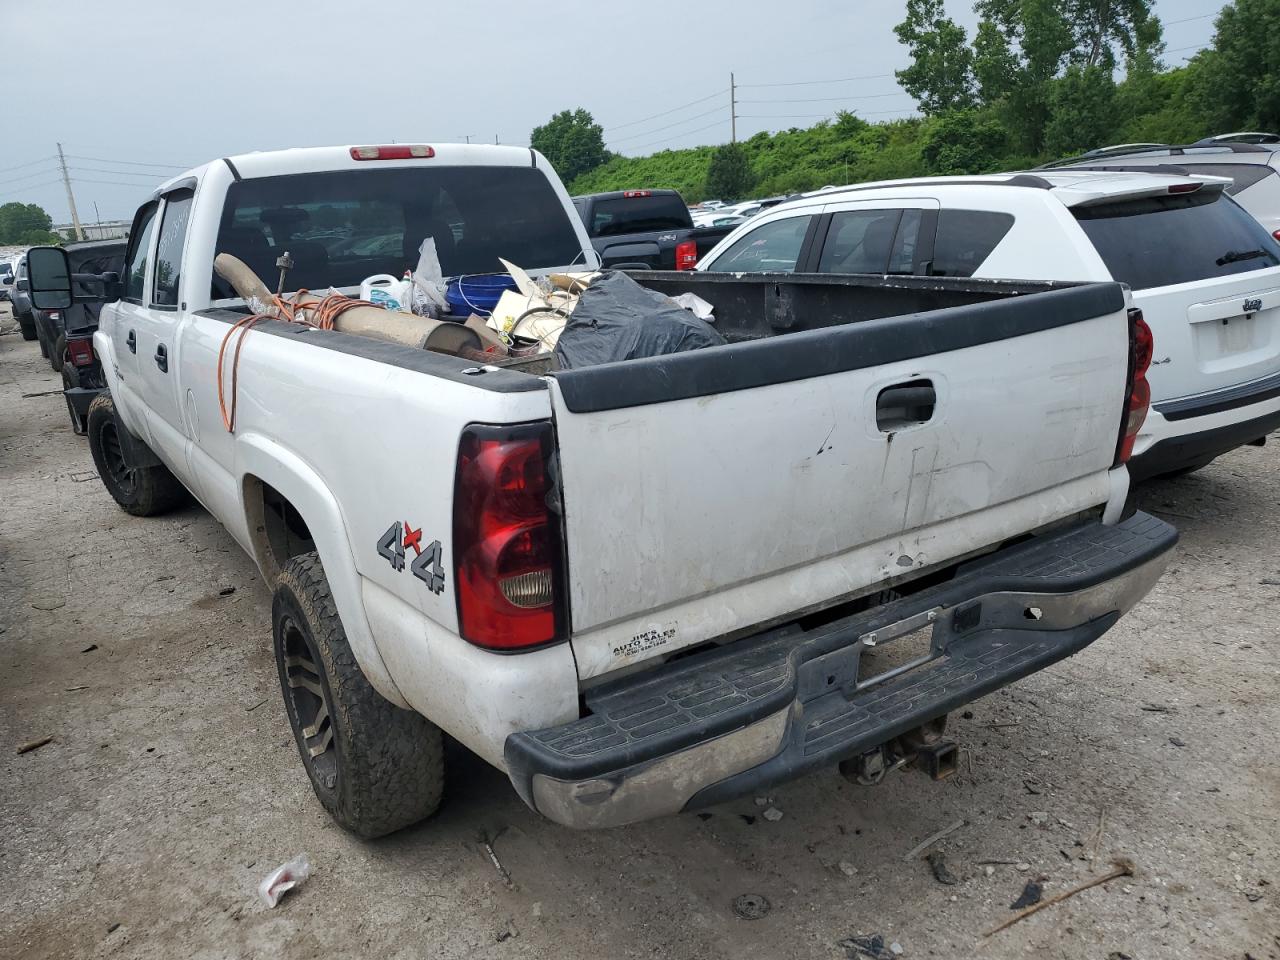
{"x":658,"y":712}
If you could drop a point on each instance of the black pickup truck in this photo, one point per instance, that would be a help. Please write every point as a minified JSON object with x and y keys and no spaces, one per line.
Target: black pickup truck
{"x":646,"y":229}
{"x":96,"y":267}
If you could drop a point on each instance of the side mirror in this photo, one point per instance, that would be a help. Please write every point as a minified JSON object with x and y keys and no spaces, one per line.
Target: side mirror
{"x":49,"y":276}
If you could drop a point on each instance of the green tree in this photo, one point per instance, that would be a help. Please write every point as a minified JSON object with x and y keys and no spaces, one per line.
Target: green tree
{"x":572,"y":141}
{"x":964,"y":141}
{"x":940,"y":77}
{"x":1238,"y":81}
{"x":1082,"y":110}
{"x":729,"y":174}
{"x":25,"y":223}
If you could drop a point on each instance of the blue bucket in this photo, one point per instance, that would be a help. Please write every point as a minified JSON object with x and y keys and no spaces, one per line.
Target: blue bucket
{"x":477,"y":294}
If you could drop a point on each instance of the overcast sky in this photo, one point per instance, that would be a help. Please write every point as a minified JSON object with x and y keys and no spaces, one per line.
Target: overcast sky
{"x":135,"y":82}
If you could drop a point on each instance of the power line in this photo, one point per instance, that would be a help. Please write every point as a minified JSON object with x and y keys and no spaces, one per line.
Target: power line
{"x":687,"y":133}
{"x":32,"y":163}
{"x":648,"y":133}
{"x":1203,"y":16}
{"x":664,"y":113}
{"x":868,"y":96}
{"x":810,"y":83}
{"x":1194,"y":46}
{"x":152,"y":177}
{"x":30,"y":186}
{"x":135,"y":163}
{"x":808,"y":116}
{"x":26,"y":176}
{"x":114,"y":183}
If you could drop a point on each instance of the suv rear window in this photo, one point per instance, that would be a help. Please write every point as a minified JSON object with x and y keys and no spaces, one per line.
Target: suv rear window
{"x":343,"y":226}
{"x":638,"y":215}
{"x":1158,"y":241}
{"x":1243,"y":175}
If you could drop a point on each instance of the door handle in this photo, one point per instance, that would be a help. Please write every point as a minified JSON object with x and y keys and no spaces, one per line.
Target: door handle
{"x":131,"y":342}
{"x":162,"y":357}
{"x":905,"y":405}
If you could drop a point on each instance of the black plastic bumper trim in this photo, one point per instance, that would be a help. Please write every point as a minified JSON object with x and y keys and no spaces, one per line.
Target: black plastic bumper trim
{"x":1229,"y":398}
{"x":1197,"y":449}
{"x":81,"y":397}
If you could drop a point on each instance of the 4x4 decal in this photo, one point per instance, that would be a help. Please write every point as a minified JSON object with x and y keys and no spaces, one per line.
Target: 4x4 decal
{"x":426,"y":564}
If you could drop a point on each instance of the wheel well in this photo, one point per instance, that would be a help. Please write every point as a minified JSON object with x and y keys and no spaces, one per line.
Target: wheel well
{"x":279,"y":532}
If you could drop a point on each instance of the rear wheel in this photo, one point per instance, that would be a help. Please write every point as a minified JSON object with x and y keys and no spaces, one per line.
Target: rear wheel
{"x":373,"y":766}
{"x":58,"y":352}
{"x":27,"y":324}
{"x":142,"y":491}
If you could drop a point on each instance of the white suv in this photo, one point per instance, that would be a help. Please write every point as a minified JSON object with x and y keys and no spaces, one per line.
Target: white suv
{"x":1203,"y":271}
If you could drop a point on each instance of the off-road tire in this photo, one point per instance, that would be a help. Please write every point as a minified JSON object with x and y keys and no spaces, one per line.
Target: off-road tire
{"x":378,"y":768}
{"x":58,"y":353}
{"x":141,"y":491}
{"x":27,"y":324}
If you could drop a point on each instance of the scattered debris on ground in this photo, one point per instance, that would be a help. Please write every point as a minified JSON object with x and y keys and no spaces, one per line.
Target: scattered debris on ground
{"x":33,"y":745}
{"x":751,"y":906}
{"x":929,"y":841}
{"x":1029,"y":897}
{"x":941,"y":871}
{"x":1122,"y":868}
{"x":773,"y":814}
{"x":283,"y":879}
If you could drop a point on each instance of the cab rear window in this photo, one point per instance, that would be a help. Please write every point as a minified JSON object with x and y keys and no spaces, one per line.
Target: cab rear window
{"x":341,"y":227}
{"x":1159,"y":241}
{"x":639,"y":214}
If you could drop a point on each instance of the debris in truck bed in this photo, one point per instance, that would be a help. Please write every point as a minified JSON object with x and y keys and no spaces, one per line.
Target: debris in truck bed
{"x":617,"y":319}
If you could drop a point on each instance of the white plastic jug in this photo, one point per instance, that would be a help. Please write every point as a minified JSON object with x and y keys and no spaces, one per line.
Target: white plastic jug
{"x":386,"y":291}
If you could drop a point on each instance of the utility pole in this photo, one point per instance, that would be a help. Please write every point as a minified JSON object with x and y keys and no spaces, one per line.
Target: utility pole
{"x":71,"y":198}
{"x":468,"y":137}
{"x":495,"y":139}
{"x":733,"y":110}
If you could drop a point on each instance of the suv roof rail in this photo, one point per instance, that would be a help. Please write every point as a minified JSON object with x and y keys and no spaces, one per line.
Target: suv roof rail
{"x":1243,"y":136}
{"x":1172,"y":169}
{"x":1200,"y":148}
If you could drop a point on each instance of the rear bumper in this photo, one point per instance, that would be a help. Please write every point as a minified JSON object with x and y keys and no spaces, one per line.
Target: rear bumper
{"x":770,"y":708}
{"x":1192,"y":431}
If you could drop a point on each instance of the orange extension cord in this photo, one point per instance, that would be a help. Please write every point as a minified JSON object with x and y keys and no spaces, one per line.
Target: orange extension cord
{"x":323,"y":314}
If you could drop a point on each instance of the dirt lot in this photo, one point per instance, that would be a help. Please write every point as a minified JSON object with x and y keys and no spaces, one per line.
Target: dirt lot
{"x":173,"y":785}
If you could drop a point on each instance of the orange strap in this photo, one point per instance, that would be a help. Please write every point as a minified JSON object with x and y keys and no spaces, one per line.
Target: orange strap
{"x":324,"y":313}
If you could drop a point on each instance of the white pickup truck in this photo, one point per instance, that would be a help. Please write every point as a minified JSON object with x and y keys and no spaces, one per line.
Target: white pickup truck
{"x":637,"y":587}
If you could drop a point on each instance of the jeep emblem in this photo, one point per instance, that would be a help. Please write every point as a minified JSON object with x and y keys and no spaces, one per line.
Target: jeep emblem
{"x":1253,"y":305}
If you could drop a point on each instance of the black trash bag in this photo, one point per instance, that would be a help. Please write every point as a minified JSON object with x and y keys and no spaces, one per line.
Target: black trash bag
{"x":617,"y":319}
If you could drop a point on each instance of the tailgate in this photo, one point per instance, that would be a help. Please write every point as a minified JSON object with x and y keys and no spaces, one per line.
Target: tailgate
{"x":1213,"y":333}
{"x":711,"y":492}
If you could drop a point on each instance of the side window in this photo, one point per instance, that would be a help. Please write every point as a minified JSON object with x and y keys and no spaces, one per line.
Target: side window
{"x":902,"y":259}
{"x":772,"y":247}
{"x":135,"y":268}
{"x":1243,"y":175}
{"x":173,"y":233}
{"x":859,"y":241}
{"x":965,"y":239}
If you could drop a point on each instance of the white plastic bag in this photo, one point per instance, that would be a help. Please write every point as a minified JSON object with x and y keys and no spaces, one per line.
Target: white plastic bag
{"x":283,"y":879}
{"x":699,"y":307}
{"x":428,"y":283}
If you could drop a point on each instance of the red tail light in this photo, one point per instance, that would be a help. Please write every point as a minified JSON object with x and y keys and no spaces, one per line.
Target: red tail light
{"x":1276,"y":234}
{"x":509,"y":556}
{"x":395,"y":151}
{"x":81,"y":352}
{"x":633,"y":194}
{"x":686,"y":255}
{"x":1141,"y":345}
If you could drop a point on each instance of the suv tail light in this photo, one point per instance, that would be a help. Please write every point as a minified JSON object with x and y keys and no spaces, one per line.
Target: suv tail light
{"x":686,"y":254}
{"x":507,"y":546}
{"x":1138,"y":397}
{"x":81,"y":351}
{"x":1276,"y":234}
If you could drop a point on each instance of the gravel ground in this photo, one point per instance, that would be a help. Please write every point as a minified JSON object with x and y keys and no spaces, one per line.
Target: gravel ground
{"x":172,"y":784}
